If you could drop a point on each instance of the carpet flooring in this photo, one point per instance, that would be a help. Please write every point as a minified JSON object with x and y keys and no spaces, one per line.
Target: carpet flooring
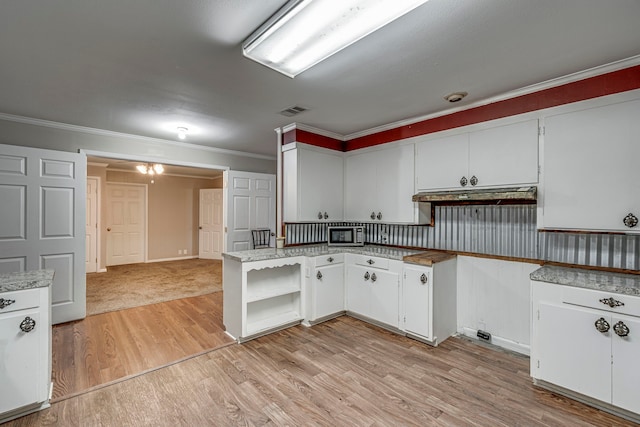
{"x":134,"y":285}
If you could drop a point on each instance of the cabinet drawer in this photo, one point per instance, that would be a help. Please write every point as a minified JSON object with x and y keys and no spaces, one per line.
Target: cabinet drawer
{"x":19,"y":300}
{"x":329,"y":259}
{"x":371,"y":261}
{"x":592,"y":299}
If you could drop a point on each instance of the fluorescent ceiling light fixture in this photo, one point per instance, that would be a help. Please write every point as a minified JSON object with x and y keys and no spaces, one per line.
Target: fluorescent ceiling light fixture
{"x":305,"y":32}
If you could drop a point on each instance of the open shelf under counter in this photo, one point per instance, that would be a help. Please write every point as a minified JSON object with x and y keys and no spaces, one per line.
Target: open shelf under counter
{"x":273,"y":282}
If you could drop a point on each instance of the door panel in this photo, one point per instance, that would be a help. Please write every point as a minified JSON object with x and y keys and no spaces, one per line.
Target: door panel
{"x":91,"y":223}
{"x":210,"y":224}
{"x":43,"y":221}
{"x":625,"y":372}
{"x":126,"y":223}
{"x":250,"y":203}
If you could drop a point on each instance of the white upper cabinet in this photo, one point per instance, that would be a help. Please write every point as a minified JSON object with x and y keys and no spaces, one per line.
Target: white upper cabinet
{"x":590,"y":169}
{"x":379,"y":185}
{"x":499,"y":156}
{"x":313,"y":184}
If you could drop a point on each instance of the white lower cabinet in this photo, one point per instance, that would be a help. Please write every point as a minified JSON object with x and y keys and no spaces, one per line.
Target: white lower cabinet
{"x":373,"y":288}
{"x":429,"y":301}
{"x":25,"y":351}
{"x":581,"y":344}
{"x":326,"y":287}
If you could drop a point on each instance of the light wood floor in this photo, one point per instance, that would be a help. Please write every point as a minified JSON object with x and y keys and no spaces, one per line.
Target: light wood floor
{"x":107,"y":347}
{"x":340,"y":373}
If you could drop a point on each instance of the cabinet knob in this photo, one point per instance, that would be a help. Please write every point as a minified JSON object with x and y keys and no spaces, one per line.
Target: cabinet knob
{"x":630,"y":220}
{"x":366,"y":276}
{"x":379,"y":216}
{"x":6,"y":302}
{"x":602,"y":325}
{"x":423,"y":278}
{"x":319,"y":215}
{"x":374,"y":277}
{"x":621,"y":329}
{"x":326,"y":215}
{"x":463,"y":181}
{"x":370,"y":261}
{"x":474,"y":180}
{"x":611,"y":302}
{"x":319,"y":275}
{"x":27,"y":324}
{"x":373,"y":215}
{"x":330,"y":259}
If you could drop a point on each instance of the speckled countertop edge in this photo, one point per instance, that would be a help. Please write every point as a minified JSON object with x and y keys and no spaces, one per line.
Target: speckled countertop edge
{"x":318,"y":250}
{"x":626,"y":284}
{"x":25,"y":280}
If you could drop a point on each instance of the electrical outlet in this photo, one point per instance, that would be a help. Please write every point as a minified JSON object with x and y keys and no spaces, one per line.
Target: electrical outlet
{"x":184,"y":251}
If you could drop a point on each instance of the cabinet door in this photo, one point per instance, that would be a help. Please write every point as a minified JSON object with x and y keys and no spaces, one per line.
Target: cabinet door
{"x":504,"y":155}
{"x":328,"y":290}
{"x":625,"y":370}
{"x":384,"y":296}
{"x":23,"y":375}
{"x":359,"y":290}
{"x":417,"y":300}
{"x":395,"y":176}
{"x":572,"y":353}
{"x":442,"y":162}
{"x":360,"y":186}
{"x":321,"y":185}
{"x":590,"y":168}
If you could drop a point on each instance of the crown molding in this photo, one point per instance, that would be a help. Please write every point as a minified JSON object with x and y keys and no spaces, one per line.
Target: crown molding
{"x":537,"y":87}
{"x":104,"y":132}
{"x":312,"y":129}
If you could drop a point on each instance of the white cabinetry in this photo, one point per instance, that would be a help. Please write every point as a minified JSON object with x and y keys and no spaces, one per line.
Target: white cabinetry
{"x":262,"y":296}
{"x":379,"y":185}
{"x":590,"y":169}
{"x":429,"y":301}
{"x":373,"y":288}
{"x":25,"y":351}
{"x":583,"y":345}
{"x":498,"y":156}
{"x":313,"y":183}
{"x":326,"y":288}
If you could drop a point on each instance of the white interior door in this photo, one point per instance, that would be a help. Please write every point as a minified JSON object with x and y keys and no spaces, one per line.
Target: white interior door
{"x":126,"y":223}
{"x":42,"y":221}
{"x":91,"y":226}
{"x":250,"y":200}
{"x":210,"y":223}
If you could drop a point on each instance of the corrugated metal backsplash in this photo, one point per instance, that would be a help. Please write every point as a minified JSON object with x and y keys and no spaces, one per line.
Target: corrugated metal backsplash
{"x":493,"y":230}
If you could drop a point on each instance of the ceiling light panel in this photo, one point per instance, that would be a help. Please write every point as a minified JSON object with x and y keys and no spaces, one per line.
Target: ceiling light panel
{"x":305,"y":32}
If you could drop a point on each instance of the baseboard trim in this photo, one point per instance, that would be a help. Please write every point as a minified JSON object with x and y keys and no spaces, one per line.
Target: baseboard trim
{"x":500,"y":342}
{"x":180,"y":258}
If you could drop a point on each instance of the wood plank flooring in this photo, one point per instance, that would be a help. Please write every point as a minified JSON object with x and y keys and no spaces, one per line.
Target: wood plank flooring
{"x":340,"y":373}
{"x":107,"y":347}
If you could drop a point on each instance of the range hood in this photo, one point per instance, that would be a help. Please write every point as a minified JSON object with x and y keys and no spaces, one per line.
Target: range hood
{"x":487,"y":196}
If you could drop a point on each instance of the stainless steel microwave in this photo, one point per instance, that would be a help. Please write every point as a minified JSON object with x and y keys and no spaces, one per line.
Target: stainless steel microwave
{"x":345,"y":235}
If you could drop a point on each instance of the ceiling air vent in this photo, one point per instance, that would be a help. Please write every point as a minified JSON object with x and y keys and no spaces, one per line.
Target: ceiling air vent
{"x":293,"y":111}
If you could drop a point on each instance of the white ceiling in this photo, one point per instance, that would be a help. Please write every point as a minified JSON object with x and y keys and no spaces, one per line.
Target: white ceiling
{"x":143,"y":67}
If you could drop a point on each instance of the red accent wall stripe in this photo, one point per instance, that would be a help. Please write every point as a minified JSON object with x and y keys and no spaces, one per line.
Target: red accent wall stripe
{"x":299,"y":135}
{"x":593,"y":87}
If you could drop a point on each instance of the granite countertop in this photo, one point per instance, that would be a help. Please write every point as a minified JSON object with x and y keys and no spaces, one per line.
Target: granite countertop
{"x":626,"y":284}
{"x":317,"y":250}
{"x":25,"y":280}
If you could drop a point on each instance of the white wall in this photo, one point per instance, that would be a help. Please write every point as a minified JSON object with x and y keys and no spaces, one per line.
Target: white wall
{"x":494,"y":295}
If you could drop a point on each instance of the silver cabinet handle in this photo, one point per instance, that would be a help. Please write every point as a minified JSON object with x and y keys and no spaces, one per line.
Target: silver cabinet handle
{"x":27,"y":324}
{"x":602,"y":325}
{"x":319,"y":275}
{"x":373,"y":215}
{"x":474,"y":180}
{"x":319,"y":215}
{"x":379,"y":216}
{"x":6,"y":302}
{"x":366,"y":276}
{"x":370,"y":261}
{"x":423,"y":278}
{"x":611,"y":302}
{"x":330,"y":259}
{"x":630,"y":220}
{"x":463,"y":181}
{"x":374,"y":277}
{"x":621,"y":329}
{"x":326,"y":215}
